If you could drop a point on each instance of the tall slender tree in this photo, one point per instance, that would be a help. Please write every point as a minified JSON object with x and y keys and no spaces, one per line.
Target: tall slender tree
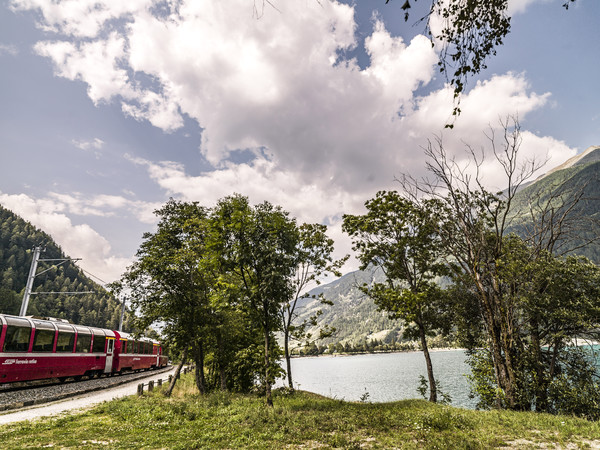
{"x":399,"y":235}
{"x":313,"y":260}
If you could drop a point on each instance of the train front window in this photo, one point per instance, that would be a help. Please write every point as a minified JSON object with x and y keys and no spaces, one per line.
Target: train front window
{"x":17,"y":339}
{"x":65,"y":341}
{"x":43,"y":340}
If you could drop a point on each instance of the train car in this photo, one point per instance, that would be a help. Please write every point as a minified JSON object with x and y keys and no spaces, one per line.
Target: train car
{"x":33,"y":349}
{"x":136,"y":354}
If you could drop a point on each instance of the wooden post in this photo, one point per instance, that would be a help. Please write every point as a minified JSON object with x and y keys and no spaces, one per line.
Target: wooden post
{"x":141,"y":389}
{"x":160,"y":381}
{"x":170,"y":378}
{"x":150,"y":386}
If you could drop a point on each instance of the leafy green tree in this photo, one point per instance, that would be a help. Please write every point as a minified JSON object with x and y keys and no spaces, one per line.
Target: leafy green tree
{"x":259,"y":247}
{"x":168,"y":284}
{"x":400,"y":236}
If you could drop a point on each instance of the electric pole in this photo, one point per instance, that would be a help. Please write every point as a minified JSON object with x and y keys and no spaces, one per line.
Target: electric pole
{"x":32,"y":269}
{"x":33,"y":274}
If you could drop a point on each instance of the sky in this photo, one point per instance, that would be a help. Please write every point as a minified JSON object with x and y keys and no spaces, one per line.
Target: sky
{"x":110,"y":108}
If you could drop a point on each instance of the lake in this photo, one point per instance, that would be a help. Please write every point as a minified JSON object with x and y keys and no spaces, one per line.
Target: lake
{"x":384,"y":377}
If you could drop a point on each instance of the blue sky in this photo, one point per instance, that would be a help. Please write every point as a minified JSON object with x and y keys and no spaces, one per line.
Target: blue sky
{"x":109,"y":108}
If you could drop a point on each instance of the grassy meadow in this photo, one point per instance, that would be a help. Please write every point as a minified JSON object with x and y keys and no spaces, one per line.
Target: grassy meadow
{"x":300,"y":420}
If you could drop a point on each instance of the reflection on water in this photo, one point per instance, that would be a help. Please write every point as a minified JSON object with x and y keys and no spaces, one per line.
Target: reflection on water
{"x":384,"y":376}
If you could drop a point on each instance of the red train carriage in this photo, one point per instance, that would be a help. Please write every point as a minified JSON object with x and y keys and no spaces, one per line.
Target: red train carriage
{"x":135,"y":354}
{"x":33,"y":349}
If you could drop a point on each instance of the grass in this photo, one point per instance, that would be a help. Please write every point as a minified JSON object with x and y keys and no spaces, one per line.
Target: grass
{"x":299,"y":420}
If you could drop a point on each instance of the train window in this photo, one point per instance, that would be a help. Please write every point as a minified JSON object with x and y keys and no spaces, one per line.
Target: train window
{"x":43,"y":340}
{"x":17,"y":338}
{"x":84,"y":342}
{"x":65,"y":341}
{"x":123,"y":346}
{"x":99,"y":344}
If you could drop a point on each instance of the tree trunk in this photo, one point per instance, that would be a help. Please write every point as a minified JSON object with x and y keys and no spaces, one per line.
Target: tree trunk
{"x":500,"y":346}
{"x":221,"y":361}
{"x":268,"y":394}
{"x":199,"y":372}
{"x":432,"y":383}
{"x":176,"y":375}
{"x":288,"y":358}
{"x":541,"y":385}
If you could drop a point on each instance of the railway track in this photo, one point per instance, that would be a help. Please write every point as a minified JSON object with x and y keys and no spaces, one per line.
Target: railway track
{"x":28,"y":394}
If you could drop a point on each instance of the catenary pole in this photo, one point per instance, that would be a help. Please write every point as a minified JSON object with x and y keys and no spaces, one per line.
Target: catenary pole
{"x":29,"y":286}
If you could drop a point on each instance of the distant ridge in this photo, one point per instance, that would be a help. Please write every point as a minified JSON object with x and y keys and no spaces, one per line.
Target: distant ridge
{"x":589,"y":155}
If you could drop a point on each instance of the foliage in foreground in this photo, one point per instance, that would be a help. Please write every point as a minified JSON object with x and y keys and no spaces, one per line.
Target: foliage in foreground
{"x":298,"y":420}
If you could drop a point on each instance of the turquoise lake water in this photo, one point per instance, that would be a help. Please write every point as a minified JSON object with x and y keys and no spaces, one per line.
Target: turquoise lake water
{"x":384,"y":377}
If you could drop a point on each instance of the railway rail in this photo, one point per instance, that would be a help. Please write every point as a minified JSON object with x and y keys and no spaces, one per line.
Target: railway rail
{"x":14,"y":397}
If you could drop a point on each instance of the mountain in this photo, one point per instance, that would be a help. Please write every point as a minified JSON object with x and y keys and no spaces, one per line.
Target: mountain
{"x":17,"y":239}
{"x":579,"y":176}
{"x":356,"y":317}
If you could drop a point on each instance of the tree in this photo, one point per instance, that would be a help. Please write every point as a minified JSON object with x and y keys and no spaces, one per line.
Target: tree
{"x":399,"y":235}
{"x":259,"y":248}
{"x":313,"y":260}
{"x":525,"y":318}
{"x":168,"y":283}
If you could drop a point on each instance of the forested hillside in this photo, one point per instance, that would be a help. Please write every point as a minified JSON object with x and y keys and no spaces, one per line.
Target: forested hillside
{"x":17,"y":240}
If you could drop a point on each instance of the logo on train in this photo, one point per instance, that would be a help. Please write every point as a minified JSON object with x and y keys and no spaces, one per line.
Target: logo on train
{"x":8,"y":362}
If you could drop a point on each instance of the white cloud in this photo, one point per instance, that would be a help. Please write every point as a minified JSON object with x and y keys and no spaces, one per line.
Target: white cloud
{"x":95,"y":144}
{"x":80,"y":18}
{"x":8,"y":49}
{"x":520,"y":6}
{"x":325,"y":133}
{"x":279,"y":87}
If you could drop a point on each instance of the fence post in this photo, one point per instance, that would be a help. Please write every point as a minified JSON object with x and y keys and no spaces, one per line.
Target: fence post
{"x":141,"y":389}
{"x":170,"y":378}
{"x":150,"y":386}
{"x":160,"y":381}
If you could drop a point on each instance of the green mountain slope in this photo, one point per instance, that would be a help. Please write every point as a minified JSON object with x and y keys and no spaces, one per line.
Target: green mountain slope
{"x":553,"y":192}
{"x":17,"y":239}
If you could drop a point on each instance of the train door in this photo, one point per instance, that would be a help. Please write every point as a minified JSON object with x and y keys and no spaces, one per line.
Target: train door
{"x":110,"y":348}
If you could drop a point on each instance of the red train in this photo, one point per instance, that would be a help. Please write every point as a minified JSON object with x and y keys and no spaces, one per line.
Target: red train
{"x":34,"y":349}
